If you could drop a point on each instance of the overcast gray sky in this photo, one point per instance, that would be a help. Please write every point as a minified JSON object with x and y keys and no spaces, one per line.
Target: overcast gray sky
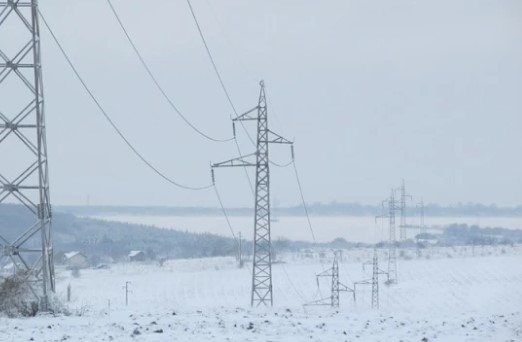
{"x":372,"y":92}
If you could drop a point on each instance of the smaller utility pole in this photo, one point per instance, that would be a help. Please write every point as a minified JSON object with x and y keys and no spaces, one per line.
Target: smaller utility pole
{"x":240,"y":251}
{"x":127,"y":293}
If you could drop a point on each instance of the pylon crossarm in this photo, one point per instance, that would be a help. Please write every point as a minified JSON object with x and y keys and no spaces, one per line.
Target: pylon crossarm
{"x":274,"y":138}
{"x":327,"y":273}
{"x":248,"y":116}
{"x":236,"y":162}
{"x":345,"y":288}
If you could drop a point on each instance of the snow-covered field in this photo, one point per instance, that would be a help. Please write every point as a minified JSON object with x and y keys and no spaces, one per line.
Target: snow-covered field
{"x":444,"y":294}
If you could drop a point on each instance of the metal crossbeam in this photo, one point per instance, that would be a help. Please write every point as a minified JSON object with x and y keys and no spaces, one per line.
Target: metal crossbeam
{"x":31,"y":253}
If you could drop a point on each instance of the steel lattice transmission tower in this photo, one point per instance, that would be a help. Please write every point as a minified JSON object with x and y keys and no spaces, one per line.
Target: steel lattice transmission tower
{"x":403,"y":208}
{"x":392,"y":207}
{"x":336,"y":285}
{"x":24,"y":177}
{"x":375,"y":281}
{"x":262,"y":259}
{"x":422,"y":225}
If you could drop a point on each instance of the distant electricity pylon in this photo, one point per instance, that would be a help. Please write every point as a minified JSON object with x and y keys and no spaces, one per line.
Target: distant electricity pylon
{"x":393,"y":207}
{"x":422,"y":227}
{"x":262,"y":260}
{"x":403,"y":208}
{"x":336,"y":287}
{"x":374,"y":281}
{"x":24,"y":171}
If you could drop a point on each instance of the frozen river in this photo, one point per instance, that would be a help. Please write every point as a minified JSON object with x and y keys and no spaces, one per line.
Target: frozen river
{"x":326,"y":228}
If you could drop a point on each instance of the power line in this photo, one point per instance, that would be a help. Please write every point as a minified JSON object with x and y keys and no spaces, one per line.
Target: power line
{"x":225,"y":90}
{"x":227,"y":218}
{"x":111,"y":122}
{"x":225,"y":213}
{"x":156,"y":83}
{"x":297,"y":292}
{"x":304,"y":202}
{"x":282,"y":165}
{"x":216,"y":70}
{"x":211,"y":57}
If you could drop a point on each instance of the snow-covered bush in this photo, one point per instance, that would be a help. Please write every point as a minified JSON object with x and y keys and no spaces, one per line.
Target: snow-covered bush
{"x":16,"y":298}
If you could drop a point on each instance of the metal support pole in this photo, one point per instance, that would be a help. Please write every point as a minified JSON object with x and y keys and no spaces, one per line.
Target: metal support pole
{"x":240,"y":252}
{"x":127,"y":293}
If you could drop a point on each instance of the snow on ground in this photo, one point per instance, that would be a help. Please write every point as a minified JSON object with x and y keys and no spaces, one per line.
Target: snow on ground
{"x":444,"y":294}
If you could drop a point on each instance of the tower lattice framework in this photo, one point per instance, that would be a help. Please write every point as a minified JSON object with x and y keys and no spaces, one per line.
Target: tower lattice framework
{"x":262,"y":258}
{"x":25,"y":249}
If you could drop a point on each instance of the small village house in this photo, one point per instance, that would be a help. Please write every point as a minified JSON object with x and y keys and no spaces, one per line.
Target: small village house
{"x":75,"y":260}
{"x":136,"y":256}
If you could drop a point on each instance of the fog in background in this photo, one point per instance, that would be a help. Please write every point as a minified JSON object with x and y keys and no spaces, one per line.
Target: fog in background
{"x":372,"y":92}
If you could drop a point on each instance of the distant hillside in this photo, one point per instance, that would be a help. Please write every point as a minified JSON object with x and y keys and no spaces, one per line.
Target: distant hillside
{"x":318,"y":209}
{"x":97,"y":238}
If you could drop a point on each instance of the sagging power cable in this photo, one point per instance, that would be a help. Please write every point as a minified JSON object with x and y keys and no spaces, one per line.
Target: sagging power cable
{"x":216,"y":70}
{"x":110,"y":121}
{"x":157,"y":84}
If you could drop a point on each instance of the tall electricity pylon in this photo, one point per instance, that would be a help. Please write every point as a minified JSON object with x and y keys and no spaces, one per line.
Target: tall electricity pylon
{"x":336,"y":287}
{"x":24,"y":177}
{"x":421,"y":212}
{"x":262,"y":260}
{"x":404,"y":196}
{"x":393,"y":207}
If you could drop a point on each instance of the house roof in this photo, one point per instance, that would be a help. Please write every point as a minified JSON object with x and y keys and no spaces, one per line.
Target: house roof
{"x":134,"y":253}
{"x":71,"y":254}
{"x":9,"y":267}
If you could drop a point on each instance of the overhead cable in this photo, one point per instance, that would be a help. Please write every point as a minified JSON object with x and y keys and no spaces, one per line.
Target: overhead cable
{"x":216,"y":70}
{"x":111,"y":122}
{"x":157,"y":84}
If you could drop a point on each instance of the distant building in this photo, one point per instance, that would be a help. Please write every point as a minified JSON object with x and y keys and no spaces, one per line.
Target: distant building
{"x":9,"y":269}
{"x":137,"y":256}
{"x":75,"y":260}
